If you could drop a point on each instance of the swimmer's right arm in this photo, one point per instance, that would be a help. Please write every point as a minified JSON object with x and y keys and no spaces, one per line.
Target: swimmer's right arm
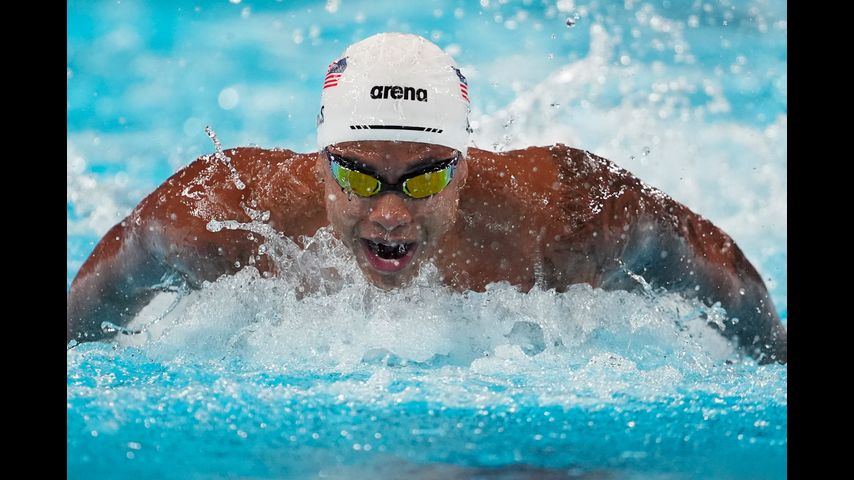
{"x":160,"y":237}
{"x":113,"y":285}
{"x":167,"y":234}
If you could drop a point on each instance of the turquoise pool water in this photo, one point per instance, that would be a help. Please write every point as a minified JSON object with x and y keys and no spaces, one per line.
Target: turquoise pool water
{"x":244,"y":380}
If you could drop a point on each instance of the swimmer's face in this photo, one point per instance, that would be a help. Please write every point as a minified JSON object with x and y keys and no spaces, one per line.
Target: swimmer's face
{"x":390,"y":233}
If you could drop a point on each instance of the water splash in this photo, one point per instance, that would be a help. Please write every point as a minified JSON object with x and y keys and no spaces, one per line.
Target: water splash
{"x":321,"y":311}
{"x":172,"y":282}
{"x":222,"y":157}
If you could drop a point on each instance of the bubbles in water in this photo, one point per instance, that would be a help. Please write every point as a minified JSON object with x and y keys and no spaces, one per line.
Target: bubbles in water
{"x":228,"y":98}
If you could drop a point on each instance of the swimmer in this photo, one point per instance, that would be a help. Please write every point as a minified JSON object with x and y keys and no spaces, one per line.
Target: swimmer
{"x":396,"y":181}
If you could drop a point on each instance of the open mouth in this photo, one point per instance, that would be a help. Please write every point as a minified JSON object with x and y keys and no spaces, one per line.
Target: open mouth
{"x":389,"y":256}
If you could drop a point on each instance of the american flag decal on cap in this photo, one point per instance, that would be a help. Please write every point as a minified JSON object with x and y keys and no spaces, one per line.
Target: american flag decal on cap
{"x":334,"y":72}
{"x":464,"y":85}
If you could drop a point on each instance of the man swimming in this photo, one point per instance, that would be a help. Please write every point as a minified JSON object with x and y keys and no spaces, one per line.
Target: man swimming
{"x":398,"y":185}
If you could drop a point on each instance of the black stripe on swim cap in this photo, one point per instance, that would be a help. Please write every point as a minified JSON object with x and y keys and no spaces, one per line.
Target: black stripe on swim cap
{"x":395,"y":127}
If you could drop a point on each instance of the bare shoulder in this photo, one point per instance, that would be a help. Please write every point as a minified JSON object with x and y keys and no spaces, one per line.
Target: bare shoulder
{"x":569,"y":182}
{"x":180,"y":222}
{"x":552,"y":207}
{"x":210,"y":186}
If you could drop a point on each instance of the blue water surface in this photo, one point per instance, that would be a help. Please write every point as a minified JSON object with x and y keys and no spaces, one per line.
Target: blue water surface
{"x":244,"y":380}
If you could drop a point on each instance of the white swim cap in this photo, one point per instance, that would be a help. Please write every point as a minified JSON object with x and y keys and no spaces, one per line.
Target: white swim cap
{"x":394,"y":86}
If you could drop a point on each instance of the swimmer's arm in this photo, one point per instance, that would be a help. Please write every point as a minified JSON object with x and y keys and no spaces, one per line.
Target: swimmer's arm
{"x":113,"y":284}
{"x":685,"y":253}
{"x":161,"y":237}
{"x":167,"y":234}
{"x":638,"y":230}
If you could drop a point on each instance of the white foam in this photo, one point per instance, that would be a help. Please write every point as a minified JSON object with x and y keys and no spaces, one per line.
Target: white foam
{"x":604,"y":342}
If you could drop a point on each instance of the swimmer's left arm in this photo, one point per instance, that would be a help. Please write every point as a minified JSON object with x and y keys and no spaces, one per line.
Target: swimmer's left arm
{"x":619,"y":228}
{"x":672,"y":247}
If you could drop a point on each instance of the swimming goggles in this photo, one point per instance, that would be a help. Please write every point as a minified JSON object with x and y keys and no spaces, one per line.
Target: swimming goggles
{"x":421,"y":183}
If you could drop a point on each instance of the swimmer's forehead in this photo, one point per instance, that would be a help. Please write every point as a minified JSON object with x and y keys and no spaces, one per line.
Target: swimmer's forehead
{"x":382,"y":152}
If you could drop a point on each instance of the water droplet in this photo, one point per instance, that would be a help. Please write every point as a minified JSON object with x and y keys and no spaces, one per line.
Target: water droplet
{"x":741,"y":291}
{"x":219,"y":155}
{"x":214,"y":226}
{"x":228,"y":98}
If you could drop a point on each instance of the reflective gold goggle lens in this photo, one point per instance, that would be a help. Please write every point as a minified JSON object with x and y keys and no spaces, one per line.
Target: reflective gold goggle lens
{"x":429,"y":183}
{"x":359,"y":183}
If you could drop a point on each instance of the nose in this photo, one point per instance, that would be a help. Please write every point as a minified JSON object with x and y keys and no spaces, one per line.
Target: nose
{"x":390,"y":211}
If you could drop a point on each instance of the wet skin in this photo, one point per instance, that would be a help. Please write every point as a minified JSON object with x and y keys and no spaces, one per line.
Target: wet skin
{"x":547,"y":216}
